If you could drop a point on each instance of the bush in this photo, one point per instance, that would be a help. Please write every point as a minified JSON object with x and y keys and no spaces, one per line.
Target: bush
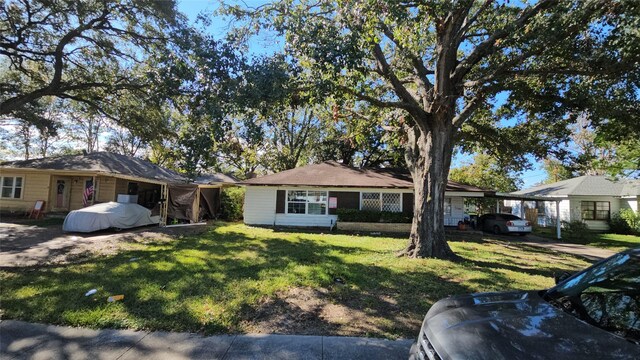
{"x":575,"y":230}
{"x":354,"y":215}
{"x":625,"y":222}
{"x":231,"y":203}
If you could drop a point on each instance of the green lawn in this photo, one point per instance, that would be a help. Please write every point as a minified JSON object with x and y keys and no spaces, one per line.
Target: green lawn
{"x":236,"y":278}
{"x":615,"y":242}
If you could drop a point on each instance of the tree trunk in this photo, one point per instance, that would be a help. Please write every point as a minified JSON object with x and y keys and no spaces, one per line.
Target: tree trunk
{"x":429,"y":158}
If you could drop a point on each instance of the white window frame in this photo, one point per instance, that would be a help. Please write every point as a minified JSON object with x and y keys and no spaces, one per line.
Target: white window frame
{"x":380,"y":198}
{"x":307,"y":202}
{"x":13,"y":187}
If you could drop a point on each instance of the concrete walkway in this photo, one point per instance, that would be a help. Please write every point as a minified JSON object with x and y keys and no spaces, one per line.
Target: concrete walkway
{"x":22,"y":340}
{"x":585,"y":251}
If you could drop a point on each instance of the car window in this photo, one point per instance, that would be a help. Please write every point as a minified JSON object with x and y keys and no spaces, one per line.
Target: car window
{"x":606,"y":295}
{"x":510,"y":217}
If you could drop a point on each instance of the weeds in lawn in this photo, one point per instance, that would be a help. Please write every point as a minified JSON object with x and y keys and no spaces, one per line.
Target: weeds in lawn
{"x":220,"y":281}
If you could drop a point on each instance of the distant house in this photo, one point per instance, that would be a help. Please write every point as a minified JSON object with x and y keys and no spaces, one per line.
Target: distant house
{"x":71,"y":182}
{"x":310,"y":195}
{"x":592,"y":199}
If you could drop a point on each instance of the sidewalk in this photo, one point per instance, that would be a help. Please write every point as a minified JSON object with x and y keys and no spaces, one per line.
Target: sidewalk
{"x":22,"y":340}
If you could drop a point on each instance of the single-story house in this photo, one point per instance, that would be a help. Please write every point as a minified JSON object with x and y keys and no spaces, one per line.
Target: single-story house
{"x":72,"y":182}
{"x":311,"y":195}
{"x":592,"y":199}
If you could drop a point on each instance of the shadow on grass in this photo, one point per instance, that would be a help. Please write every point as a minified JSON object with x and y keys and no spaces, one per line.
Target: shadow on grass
{"x":217,"y":281}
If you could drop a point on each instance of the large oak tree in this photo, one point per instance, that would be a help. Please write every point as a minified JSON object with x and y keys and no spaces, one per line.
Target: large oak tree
{"x":447,"y":63}
{"x":91,"y":52}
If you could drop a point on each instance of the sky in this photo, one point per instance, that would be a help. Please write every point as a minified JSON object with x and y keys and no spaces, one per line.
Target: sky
{"x":219,"y":26}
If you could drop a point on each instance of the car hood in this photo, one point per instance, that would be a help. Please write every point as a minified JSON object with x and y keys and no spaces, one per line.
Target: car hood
{"x":516,"y":325}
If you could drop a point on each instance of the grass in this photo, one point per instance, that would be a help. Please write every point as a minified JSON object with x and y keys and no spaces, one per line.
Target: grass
{"x":615,"y":242}
{"x":216,"y":282}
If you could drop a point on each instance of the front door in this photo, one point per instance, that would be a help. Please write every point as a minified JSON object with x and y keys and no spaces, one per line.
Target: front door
{"x":61,"y":190}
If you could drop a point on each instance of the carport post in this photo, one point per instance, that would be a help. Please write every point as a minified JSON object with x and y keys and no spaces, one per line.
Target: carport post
{"x":95,"y":192}
{"x":522,"y":208}
{"x":558,"y":235}
{"x":497,"y":206}
{"x":164,"y":190}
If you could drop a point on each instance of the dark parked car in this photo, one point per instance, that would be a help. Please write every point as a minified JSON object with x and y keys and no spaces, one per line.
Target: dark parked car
{"x":504,"y":224}
{"x":594,"y":314}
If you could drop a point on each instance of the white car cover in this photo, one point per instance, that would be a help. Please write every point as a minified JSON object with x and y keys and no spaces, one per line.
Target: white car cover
{"x":107,"y":215}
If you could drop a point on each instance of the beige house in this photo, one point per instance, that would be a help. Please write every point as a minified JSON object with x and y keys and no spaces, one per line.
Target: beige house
{"x":65,"y":183}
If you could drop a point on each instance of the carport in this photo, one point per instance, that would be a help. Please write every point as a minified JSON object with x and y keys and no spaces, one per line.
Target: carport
{"x":522,"y":198}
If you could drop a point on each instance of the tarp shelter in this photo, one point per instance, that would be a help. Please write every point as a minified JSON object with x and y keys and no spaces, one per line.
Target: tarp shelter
{"x":199,"y":200}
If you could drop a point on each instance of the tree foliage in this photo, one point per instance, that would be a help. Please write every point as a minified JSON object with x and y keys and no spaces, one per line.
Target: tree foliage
{"x":497,"y":75}
{"x":86,"y":51}
{"x":485,"y":172}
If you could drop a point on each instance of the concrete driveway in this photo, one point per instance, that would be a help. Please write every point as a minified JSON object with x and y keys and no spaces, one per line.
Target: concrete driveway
{"x":23,"y":244}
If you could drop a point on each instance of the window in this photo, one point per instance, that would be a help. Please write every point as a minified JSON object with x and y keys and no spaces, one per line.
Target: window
{"x":595,"y":210}
{"x":307,"y":202}
{"x":374,"y":201}
{"x":11,"y":187}
{"x":370,"y":201}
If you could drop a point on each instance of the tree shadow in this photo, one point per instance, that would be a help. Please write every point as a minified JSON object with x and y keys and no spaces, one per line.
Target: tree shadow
{"x":220,"y":281}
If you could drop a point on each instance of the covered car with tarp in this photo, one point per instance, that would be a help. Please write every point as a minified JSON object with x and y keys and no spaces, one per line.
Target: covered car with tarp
{"x":108,"y":215}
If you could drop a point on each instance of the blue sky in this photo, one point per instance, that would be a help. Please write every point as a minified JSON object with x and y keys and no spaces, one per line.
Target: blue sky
{"x":219,"y":26}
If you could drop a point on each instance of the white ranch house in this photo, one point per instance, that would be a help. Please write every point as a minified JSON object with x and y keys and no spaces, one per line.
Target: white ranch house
{"x":309,"y":196}
{"x":592,"y":199}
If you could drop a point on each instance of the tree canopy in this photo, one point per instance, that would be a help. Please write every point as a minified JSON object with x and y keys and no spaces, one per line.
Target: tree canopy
{"x":86,"y":51}
{"x":497,"y":75}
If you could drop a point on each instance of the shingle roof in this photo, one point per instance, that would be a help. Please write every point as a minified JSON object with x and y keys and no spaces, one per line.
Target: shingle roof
{"x":215,"y":179}
{"x":102,"y":162}
{"x":334,"y":174}
{"x":584,"y":185}
{"x":631,"y":188}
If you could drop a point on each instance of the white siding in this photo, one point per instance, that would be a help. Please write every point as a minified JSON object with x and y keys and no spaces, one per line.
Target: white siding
{"x":565,"y":210}
{"x":598,"y":225}
{"x":260,"y":205}
{"x":305,"y":220}
{"x":457,"y":211}
{"x":629,"y":203}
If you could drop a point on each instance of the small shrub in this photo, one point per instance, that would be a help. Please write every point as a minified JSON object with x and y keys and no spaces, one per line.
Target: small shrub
{"x":575,"y":230}
{"x":354,"y":215}
{"x":232,"y":203}
{"x":625,"y":222}
{"x":618,"y":225}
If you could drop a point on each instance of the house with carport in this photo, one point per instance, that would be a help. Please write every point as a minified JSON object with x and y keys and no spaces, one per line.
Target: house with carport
{"x":310,"y":196}
{"x":72,"y":182}
{"x":591,"y":199}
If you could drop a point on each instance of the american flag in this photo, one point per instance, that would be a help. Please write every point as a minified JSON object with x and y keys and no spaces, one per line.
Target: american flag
{"x":86,"y":195}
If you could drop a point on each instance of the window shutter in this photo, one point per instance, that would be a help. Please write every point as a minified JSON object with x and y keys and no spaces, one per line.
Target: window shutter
{"x":280,"y":201}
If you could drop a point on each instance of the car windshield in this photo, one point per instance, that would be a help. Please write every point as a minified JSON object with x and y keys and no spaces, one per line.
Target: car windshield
{"x":606,"y":295}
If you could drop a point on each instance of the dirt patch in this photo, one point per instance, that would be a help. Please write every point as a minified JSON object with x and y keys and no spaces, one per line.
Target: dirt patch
{"x":322,"y":311}
{"x":30,"y":245}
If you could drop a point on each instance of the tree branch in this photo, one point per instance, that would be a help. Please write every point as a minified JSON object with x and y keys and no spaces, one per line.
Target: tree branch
{"x":397,"y":85}
{"x":471,"y":106}
{"x":487,"y":47}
